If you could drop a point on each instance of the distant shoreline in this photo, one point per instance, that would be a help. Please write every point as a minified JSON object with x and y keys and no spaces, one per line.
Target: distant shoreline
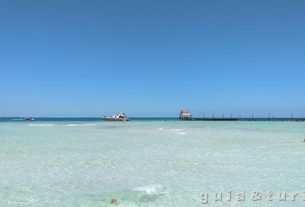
{"x":196,"y":119}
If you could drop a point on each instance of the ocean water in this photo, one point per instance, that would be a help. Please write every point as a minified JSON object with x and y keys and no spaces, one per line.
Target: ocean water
{"x":90,"y":163}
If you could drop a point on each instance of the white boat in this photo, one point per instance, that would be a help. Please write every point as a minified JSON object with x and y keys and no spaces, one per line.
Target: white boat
{"x":28,"y":119}
{"x":116,"y":117}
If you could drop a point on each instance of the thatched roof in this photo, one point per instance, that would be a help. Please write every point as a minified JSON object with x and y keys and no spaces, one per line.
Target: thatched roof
{"x":185,"y":111}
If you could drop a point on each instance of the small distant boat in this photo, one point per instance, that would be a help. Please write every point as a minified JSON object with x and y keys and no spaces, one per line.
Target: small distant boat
{"x":116,"y":117}
{"x":28,"y":119}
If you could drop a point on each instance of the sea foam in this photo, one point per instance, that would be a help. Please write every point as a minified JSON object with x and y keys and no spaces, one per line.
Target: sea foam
{"x":41,"y":125}
{"x":154,"y":189}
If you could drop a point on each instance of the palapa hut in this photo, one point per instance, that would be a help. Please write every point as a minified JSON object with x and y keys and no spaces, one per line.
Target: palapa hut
{"x":185,"y":114}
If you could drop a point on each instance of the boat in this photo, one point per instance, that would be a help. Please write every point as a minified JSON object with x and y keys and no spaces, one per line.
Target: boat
{"x":28,"y":119}
{"x":116,"y":117}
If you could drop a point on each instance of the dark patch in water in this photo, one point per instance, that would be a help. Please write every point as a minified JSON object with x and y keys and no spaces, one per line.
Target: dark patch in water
{"x":148,"y":198}
{"x":114,"y":201}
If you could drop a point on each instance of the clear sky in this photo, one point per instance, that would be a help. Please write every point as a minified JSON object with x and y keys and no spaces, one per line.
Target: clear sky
{"x":152,"y":57}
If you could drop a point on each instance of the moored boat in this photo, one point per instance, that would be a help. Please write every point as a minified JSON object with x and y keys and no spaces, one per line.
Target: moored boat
{"x":28,"y":119}
{"x":116,"y":117}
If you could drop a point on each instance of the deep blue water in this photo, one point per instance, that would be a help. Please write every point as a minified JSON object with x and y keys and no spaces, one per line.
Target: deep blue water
{"x":81,"y":119}
{"x":96,"y":119}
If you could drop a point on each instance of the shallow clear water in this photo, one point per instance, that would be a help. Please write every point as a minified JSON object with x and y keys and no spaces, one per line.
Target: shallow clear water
{"x":143,"y":163}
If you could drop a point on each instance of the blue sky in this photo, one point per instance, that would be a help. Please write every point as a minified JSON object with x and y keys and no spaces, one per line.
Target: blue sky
{"x":152,"y":57}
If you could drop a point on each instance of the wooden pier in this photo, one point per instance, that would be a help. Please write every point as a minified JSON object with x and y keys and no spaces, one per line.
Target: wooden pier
{"x":186,"y":115}
{"x":214,"y":119}
{"x":246,"y":119}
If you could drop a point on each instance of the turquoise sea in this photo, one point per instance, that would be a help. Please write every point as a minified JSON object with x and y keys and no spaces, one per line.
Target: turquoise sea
{"x":150,"y":163}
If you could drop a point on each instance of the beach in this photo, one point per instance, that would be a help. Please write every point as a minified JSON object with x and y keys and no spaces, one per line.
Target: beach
{"x":149,"y":163}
